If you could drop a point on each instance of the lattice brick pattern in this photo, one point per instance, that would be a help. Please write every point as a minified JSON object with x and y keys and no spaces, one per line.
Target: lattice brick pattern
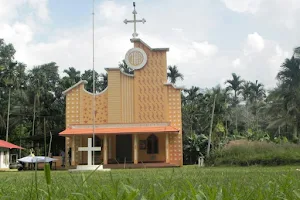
{"x":174,"y":109}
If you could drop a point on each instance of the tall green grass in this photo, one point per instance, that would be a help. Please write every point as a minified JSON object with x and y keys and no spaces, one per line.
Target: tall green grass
{"x":247,"y":153}
{"x":178,"y":183}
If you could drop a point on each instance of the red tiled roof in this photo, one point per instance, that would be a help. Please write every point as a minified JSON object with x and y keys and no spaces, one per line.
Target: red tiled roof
{"x":119,"y":130}
{"x":8,"y":145}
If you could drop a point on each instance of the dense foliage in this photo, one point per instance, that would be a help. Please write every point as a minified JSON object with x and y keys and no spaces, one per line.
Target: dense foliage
{"x":243,"y":110}
{"x":31,"y":100}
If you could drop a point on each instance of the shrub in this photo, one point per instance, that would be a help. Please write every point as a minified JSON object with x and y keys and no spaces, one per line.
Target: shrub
{"x":245,"y":153}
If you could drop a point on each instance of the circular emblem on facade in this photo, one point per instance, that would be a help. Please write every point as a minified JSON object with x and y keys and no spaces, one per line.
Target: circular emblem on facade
{"x":136,"y":58}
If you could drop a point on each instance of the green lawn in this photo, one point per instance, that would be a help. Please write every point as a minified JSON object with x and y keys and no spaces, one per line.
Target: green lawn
{"x":178,"y":183}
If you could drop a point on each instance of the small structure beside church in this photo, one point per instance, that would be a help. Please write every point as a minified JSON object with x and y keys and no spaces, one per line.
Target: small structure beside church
{"x":137,"y":117}
{"x":4,"y":153}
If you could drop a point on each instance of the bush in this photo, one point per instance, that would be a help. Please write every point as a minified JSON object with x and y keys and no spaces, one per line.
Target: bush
{"x":245,"y":153}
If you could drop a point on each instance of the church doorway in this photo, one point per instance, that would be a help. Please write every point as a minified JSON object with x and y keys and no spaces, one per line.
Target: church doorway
{"x":124,"y":148}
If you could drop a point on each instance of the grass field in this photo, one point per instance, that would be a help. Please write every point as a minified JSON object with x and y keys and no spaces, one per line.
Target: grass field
{"x":178,"y":183}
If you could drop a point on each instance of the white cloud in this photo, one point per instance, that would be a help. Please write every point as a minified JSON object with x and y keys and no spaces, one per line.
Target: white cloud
{"x":251,"y":6}
{"x":111,"y":11}
{"x":11,"y":9}
{"x":205,"y":48}
{"x":204,"y":64}
{"x":19,"y":34}
{"x":236,"y":62}
{"x":278,"y":12}
{"x":180,"y":30}
{"x":41,"y":8}
{"x":8,"y":8}
{"x":255,"y":43}
{"x":263,"y":63}
{"x":279,"y":55}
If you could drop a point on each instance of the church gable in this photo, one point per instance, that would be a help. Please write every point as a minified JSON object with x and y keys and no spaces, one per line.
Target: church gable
{"x":79,"y":106}
{"x":150,"y":94}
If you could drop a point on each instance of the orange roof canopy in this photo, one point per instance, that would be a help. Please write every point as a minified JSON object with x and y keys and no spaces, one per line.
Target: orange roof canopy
{"x":8,"y":145}
{"x":119,"y":130}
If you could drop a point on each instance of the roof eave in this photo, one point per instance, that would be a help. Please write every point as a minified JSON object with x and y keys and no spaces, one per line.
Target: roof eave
{"x":152,"y":49}
{"x":74,"y":86}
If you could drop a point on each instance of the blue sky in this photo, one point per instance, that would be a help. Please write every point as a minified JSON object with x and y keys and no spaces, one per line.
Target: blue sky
{"x":208,"y":39}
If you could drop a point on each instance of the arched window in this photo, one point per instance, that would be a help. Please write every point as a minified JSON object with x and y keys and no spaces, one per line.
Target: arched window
{"x":152,"y":144}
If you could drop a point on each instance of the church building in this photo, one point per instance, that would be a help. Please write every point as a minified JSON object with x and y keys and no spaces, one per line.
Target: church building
{"x":137,"y":117}
{"x":135,"y":120}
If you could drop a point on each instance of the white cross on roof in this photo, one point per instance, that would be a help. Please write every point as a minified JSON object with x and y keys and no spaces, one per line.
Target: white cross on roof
{"x":134,"y":21}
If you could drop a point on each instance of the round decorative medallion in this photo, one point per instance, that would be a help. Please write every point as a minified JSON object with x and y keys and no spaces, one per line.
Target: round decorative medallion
{"x":136,"y":58}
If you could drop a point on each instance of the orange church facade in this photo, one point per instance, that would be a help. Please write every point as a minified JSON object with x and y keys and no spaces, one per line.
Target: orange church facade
{"x":137,"y":118}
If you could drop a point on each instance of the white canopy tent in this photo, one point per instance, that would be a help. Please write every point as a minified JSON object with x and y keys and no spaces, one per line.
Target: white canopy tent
{"x":36,"y":159}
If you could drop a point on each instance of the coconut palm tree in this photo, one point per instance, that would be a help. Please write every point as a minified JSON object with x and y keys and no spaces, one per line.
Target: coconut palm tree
{"x":192,"y":94}
{"x":289,"y":77}
{"x":246,"y":90}
{"x":9,"y":76}
{"x":73,"y":75}
{"x":258,"y":91}
{"x":173,"y":74}
{"x":246,"y":93}
{"x":235,"y":85}
{"x":297,"y":52}
{"x":37,"y":78}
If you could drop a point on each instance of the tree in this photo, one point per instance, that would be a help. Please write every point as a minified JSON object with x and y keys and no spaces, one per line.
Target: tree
{"x":11,"y":74}
{"x":43,"y":79}
{"x":246,"y":90}
{"x":173,"y":74}
{"x":192,"y":94}
{"x":235,"y":85}
{"x":194,"y":146}
{"x":103,"y":81}
{"x":297,"y":52}
{"x":289,"y":78}
{"x":73,"y":75}
{"x":257,"y":92}
{"x":124,"y":68}
{"x":88,"y":76}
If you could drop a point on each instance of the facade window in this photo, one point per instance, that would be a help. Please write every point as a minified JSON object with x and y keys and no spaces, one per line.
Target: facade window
{"x":152,"y":144}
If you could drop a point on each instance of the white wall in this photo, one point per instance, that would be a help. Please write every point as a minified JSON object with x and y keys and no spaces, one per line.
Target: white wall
{"x":4,"y":158}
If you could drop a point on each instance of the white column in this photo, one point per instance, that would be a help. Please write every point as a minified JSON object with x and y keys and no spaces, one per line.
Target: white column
{"x":105,"y":150}
{"x":136,"y":144}
{"x":167,"y":148}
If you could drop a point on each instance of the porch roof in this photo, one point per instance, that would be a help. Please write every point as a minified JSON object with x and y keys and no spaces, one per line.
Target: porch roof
{"x":118,"y":130}
{"x":8,"y":145}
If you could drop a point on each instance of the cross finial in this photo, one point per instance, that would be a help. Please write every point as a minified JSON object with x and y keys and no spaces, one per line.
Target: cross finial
{"x":134,"y":21}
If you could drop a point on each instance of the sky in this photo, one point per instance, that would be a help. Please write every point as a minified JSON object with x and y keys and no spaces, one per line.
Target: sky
{"x":208,"y":39}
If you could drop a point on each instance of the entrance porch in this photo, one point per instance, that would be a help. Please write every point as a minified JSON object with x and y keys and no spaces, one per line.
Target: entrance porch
{"x":122,"y":147}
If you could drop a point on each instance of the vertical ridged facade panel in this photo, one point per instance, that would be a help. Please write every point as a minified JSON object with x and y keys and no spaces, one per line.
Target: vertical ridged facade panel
{"x":114,"y":97}
{"x":127,"y":98}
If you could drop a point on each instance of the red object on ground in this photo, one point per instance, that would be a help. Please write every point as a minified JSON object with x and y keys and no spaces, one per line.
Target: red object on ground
{"x":8,"y":145}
